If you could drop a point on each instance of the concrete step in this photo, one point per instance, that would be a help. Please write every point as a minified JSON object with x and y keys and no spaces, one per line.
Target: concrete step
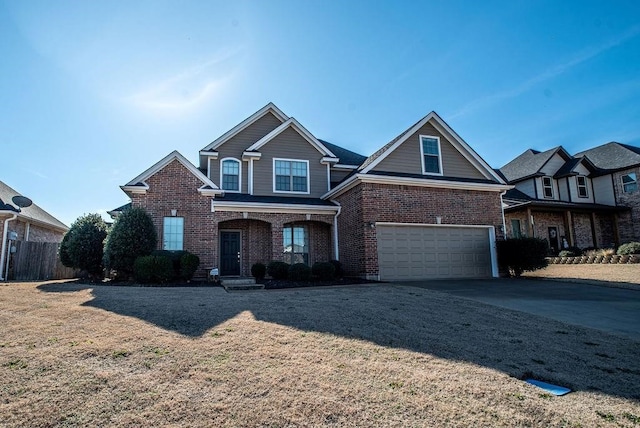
{"x":236,"y":284}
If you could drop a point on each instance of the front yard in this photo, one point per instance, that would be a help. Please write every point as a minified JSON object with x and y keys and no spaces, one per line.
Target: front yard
{"x":374,"y":355}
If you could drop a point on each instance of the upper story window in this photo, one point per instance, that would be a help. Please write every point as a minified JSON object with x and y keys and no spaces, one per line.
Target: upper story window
{"x":430,"y":151}
{"x":230,"y":175}
{"x":290,"y":176}
{"x":173,"y":233}
{"x":547,"y":187}
{"x":629,"y":183}
{"x":582,"y":186}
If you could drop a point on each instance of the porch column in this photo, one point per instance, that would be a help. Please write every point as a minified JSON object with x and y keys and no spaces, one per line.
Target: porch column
{"x":531,"y":231}
{"x":569,"y":228}
{"x":276,"y":241}
{"x":594,"y":234}
{"x":616,"y":230}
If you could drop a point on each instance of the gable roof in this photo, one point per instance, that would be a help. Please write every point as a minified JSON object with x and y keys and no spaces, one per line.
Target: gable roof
{"x":138,"y":185}
{"x":530,"y":163}
{"x":33,"y":212}
{"x":269,"y":108}
{"x":347,"y":157}
{"x":292,"y":123}
{"x":613,"y":156}
{"x":442,"y":127}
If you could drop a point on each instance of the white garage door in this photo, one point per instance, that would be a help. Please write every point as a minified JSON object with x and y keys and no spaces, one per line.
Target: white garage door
{"x":413,"y":252}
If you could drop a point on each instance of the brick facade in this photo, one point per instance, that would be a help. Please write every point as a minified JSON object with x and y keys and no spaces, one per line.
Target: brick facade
{"x":583,"y":227}
{"x":37,"y":233}
{"x":174,"y":187}
{"x":628,"y":222}
{"x":368,"y":203}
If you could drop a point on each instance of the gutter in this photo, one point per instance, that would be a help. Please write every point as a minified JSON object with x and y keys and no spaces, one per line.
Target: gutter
{"x":5,"y":231}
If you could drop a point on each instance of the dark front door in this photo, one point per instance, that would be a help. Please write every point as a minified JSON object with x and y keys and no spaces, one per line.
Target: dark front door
{"x":553,"y":239}
{"x":229,"y":253}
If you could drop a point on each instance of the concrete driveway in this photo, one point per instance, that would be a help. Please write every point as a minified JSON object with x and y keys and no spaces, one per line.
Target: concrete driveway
{"x":613,"y":310}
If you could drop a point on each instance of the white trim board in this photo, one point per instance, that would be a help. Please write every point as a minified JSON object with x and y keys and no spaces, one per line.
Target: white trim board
{"x":269,"y":208}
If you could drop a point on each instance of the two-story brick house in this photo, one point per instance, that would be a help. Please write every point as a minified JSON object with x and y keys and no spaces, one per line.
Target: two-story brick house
{"x":587,"y":200}
{"x":424,"y":205}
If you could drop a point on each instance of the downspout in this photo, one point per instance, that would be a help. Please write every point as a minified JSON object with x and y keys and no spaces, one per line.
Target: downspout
{"x":504,"y":223}
{"x":335,"y":230}
{"x":5,"y":231}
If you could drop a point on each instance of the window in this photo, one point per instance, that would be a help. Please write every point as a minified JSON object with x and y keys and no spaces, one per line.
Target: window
{"x":291,"y":176}
{"x":547,"y":187}
{"x":430,"y":150}
{"x":629,"y":183}
{"x":230,"y":173}
{"x":582,"y":186}
{"x":515,"y":228}
{"x":172,"y":235}
{"x":296,"y":244}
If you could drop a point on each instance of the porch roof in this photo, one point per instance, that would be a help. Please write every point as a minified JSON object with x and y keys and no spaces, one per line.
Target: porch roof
{"x":539,"y":205}
{"x":288,"y":200}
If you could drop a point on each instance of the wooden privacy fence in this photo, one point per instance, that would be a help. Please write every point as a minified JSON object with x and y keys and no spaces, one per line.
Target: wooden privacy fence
{"x":34,"y":261}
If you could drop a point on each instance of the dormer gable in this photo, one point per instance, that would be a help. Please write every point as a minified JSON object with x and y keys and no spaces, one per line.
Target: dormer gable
{"x":245,"y":133}
{"x":533,"y":163}
{"x":430,"y":149}
{"x":294,"y":125}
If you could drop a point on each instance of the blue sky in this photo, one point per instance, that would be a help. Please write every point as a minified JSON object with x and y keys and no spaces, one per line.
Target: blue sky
{"x":92,"y":93}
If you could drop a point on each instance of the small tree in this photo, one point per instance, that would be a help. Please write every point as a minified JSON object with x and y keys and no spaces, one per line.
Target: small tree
{"x":82,"y":245}
{"x":522,"y":255}
{"x":132,"y":235}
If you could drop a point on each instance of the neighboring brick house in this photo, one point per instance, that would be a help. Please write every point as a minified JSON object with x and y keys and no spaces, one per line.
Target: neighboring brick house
{"x":587,"y":200}
{"x":30,"y":223}
{"x":424,"y":205}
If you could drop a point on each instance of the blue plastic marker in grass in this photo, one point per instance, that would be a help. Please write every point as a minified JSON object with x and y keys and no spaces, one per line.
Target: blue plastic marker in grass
{"x":552,"y":389}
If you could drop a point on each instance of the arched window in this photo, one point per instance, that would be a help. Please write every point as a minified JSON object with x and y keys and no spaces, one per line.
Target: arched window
{"x":230,"y":175}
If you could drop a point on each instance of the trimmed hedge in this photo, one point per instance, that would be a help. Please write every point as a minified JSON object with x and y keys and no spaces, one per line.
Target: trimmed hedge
{"x":152,"y":269}
{"x":522,"y":255}
{"x":629,"y":248}
{"x":132,"y":235}
{"x":278,"y":270}
{"x":188,"y":265}
{"x":338,"y":269}
{"x":258,"y":271}
{"x":325,"y":271}
{"x":82,"y":246}
{"x":299,"y":272}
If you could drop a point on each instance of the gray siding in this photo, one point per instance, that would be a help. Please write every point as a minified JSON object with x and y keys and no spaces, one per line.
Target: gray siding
{"x":239,"y":143}
{"x":339,"y":174}
{"x":289,"y":145}
{"x":527,"y":187}
{"x":406,"y":158}
{"x":563,"y":190}
{"x":603,"y":190}
{"x":573,"y":185}
{"x":553,"y":165}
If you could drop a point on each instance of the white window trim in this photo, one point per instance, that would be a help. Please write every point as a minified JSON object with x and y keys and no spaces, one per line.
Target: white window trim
{"x":290,"y":192}
{"x":239,"y":174}
{"x":544,"y":195}
{"x":623,"y":183}
{"x":586,"y":186}
{"x":439,"y":155}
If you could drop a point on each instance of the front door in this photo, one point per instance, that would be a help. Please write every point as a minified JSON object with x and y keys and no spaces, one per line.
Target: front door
{"x":229,"y":253}
{"x":553,"y":239}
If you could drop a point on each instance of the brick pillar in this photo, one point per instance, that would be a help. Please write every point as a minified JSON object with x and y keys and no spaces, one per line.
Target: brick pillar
{"x":276,"y":241}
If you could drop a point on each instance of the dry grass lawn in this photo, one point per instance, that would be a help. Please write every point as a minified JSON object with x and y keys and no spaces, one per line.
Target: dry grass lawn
{"x":629,"y":273}
{"x":384,"y":355}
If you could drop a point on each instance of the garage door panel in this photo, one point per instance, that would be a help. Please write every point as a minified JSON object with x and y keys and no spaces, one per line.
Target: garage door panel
{"x":423,"y":252}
